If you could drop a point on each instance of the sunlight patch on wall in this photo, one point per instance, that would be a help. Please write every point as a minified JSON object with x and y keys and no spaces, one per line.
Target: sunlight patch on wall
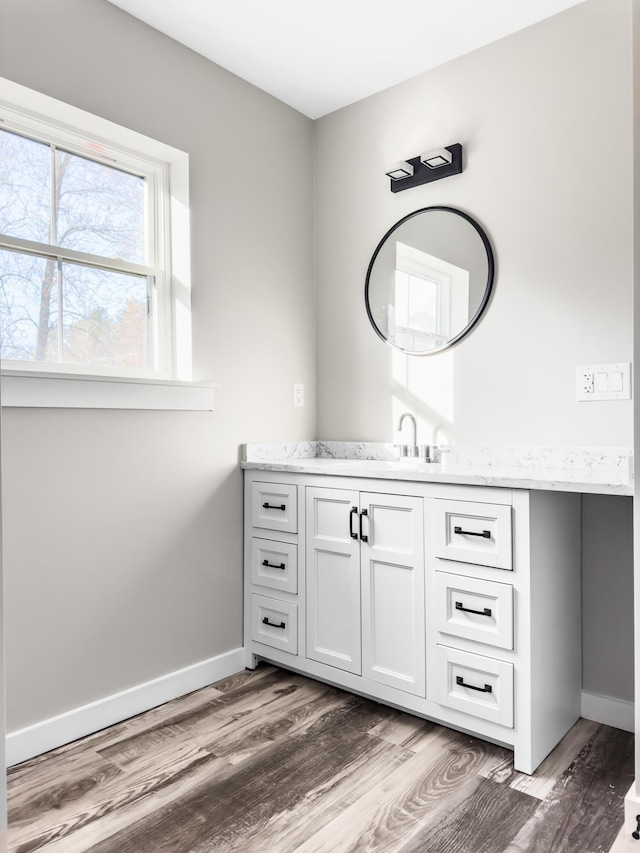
{"x":425,"y":387}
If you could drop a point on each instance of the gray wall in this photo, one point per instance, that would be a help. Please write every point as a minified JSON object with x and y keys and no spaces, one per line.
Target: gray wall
{"x":534,"y":113}
{"x":607,"y":596}
{"x":123,"y":546}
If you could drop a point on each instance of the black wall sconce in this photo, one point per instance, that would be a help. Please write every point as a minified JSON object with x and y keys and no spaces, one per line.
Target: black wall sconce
{"x":431,"y":166}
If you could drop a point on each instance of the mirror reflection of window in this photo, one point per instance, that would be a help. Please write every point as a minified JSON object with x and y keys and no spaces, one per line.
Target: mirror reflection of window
{"x":431,"y":300}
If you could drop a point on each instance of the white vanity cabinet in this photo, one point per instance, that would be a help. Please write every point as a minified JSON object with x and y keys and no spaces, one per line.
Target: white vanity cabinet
{"x":365,"y":585}
{"x":457,"y":603}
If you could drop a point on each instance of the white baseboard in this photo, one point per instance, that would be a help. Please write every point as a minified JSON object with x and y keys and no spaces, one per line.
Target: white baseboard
{"x":49,"y":734}
{"x":610,"y":712}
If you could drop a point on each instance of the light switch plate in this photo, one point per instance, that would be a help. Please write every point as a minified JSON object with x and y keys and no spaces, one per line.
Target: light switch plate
{"x":604,"y":381}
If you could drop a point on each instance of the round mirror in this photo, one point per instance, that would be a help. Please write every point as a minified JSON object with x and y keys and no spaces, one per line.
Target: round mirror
{"x":429,"y":280}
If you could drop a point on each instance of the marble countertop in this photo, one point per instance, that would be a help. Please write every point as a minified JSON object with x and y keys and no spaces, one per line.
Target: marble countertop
{"x":586,"y":470}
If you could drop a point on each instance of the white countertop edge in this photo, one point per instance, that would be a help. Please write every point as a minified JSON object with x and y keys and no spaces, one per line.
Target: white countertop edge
{"x":585,"y":482}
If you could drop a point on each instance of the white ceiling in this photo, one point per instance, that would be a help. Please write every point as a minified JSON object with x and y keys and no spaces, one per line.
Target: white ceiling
{"x":320,"y":55}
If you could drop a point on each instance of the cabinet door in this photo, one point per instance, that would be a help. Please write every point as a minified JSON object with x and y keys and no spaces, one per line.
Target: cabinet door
{"x":333,"y":578}
{"x":393,"y":606}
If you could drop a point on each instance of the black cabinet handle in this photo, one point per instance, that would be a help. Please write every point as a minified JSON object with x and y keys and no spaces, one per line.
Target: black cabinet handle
{"x":485,"y":612}
{"x":274,"y":506}
{"x":486,"y":689}
{"x":273,"y":565}
{"x":265,"y":621}
{"x":486,"y":534}
{"x":362,"y":535}
{"x":354,"y":511}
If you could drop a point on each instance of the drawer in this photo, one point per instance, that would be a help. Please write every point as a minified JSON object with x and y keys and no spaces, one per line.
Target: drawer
{"x":274,"y":564}
{"x":274,"y":623}
{"x":475,"y":609}
{"x":476,"y":685}
{"x":274,"y":506}
{"x":473,"y":533}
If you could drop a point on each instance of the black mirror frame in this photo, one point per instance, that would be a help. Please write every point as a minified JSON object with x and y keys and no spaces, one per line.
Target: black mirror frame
{"x":486,"y":296}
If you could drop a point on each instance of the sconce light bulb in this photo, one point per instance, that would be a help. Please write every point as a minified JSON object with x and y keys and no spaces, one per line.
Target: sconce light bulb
{"x":436,"y":158}
{"x":399,"y":171}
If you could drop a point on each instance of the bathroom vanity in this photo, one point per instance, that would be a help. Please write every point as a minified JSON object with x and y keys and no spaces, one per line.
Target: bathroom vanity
{"x":449,"y":591}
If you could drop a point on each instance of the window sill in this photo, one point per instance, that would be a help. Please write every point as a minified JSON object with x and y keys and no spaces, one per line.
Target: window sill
{"x":69,"y":391}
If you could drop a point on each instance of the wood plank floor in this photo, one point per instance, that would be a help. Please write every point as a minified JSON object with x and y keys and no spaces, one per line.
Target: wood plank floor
{"x":272,"y":762}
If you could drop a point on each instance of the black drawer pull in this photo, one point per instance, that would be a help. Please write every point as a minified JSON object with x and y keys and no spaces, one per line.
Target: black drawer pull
{"x":485,"y":612}
{"x":265,"y":621}
{"x":363,"y":536}
{"x":486,"y":534}
{"x":486,"y":689}
{"x":275,"y":506}
{"x":354,"y":511}
{"x":273,"y":565}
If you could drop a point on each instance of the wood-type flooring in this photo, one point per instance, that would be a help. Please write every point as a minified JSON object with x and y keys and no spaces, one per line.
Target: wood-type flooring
{"x":272,"y":762}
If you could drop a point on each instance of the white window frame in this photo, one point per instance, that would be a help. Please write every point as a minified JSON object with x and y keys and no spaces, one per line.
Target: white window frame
{"x":452,"y":283}
{"x":167,"y":171}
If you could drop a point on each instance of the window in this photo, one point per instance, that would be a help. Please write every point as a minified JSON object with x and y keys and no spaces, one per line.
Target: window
{"x":82,"y":269}
{"x":94,"y":249}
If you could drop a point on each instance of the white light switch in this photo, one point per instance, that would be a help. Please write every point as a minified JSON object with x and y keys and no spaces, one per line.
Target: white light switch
{"x":604,"y":382}
{"x":616,"y":381}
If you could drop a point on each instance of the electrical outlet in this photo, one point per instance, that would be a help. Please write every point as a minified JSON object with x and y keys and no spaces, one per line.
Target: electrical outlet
{"x":604,"y":381}
{"x":586,"y":381}
{"x":298,"y":395}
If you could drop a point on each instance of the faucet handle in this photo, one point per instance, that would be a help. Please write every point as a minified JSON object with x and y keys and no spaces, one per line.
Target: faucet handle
{"x":403,"y":449}
{"x":430,"y":452}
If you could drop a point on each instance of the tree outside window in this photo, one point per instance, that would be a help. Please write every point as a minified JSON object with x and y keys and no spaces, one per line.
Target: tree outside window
{"x":78,"y":266}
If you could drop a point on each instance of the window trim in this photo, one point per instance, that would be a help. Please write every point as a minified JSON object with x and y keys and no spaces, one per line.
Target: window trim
{"x":20,"y":104}
{"x":69,"y":391}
